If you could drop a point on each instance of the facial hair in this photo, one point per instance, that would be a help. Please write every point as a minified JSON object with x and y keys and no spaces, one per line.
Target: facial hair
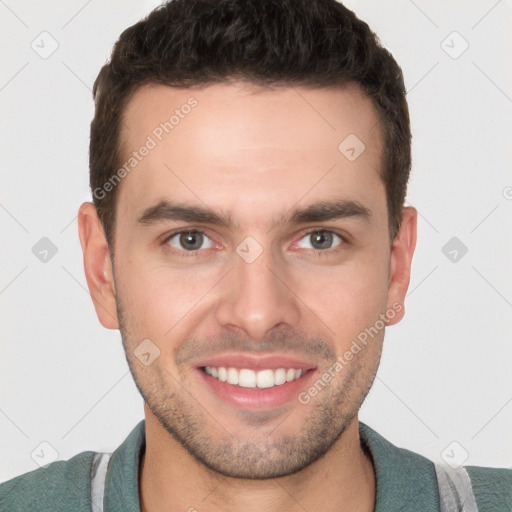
{"x":262,"y":454}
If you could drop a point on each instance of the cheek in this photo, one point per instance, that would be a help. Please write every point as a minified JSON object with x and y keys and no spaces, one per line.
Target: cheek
{"x":159,"y":299}
{"x":348,"y":298}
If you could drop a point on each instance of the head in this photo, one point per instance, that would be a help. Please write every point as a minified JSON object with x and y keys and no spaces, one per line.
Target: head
{"x":249,"y":162}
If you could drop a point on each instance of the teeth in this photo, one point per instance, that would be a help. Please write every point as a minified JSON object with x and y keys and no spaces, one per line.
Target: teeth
{"x":250,"y":379}
{"x":265,"y":379}
{"x":247,"y":378}
{"x":279,"y":376}
{"x":232,"y":376}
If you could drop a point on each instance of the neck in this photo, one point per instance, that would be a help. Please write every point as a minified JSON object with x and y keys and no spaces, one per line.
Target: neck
{"x":171,"y":479}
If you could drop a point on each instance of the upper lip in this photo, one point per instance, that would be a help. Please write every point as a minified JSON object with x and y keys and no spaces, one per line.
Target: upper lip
{"x":255,"y":361}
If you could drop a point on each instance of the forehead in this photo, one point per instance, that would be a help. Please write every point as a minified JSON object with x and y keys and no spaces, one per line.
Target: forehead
{"x":234,"y":142}
{"x":283,"y":117}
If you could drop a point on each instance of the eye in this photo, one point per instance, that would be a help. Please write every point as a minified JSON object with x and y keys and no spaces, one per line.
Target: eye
{"x":320,"y":240}
{"x":189,"y":240}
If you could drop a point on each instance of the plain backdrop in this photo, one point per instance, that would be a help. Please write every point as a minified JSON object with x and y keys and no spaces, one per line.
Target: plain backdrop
{"x":444,"y":388}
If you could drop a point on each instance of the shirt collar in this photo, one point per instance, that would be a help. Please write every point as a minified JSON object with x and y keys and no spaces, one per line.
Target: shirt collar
{"x":122,"y":480}
{"x":405,"y":480}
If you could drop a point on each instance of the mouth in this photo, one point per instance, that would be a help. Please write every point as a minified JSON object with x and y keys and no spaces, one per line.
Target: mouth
{"x":255,"y":382}
{"x":247,"y":378}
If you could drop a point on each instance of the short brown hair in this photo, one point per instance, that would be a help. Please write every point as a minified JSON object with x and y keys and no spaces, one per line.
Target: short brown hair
{"x":311,"y":43}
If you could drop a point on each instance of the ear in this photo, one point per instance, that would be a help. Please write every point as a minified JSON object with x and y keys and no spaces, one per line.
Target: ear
{"x":97,"y":265}
{"x":402,"y":251}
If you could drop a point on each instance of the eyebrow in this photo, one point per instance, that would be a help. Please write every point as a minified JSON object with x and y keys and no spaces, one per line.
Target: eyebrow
{"x":317,"y":212}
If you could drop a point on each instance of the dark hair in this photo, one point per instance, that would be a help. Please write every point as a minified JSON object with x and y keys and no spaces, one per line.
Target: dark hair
{"x":310,"y":43}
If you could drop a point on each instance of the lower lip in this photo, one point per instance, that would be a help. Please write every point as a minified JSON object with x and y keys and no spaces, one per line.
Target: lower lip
{"x":257,"y":398}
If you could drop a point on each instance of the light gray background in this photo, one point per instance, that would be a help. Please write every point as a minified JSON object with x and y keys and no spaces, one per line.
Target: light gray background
{"x":444,"y":388}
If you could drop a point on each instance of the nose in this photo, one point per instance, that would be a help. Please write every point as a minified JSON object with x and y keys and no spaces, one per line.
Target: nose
{"x":257,"y":298}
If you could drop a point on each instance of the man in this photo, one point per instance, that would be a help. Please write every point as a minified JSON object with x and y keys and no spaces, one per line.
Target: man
{"x":249,"y":163}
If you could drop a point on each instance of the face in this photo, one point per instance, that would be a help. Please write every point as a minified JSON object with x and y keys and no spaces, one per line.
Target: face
{"x":252,"y":257}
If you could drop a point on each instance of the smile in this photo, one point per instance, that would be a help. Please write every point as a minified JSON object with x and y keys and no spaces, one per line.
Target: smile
{"x":255,"y":382}
{"x":248,"y":378}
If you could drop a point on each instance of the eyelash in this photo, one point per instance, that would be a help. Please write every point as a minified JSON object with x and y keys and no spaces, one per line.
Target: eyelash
{"x":316,"y":252}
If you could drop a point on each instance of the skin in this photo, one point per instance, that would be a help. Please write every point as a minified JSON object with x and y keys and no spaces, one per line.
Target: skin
{"x":255,"y":154}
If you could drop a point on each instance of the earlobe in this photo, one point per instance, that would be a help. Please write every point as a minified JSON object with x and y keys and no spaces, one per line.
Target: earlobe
{"x":97,"y":265}
{"x":402,"y":251}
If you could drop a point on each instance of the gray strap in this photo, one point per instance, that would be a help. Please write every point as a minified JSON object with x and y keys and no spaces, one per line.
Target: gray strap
{"x":455,"y":490}
{"x":98,"y":475}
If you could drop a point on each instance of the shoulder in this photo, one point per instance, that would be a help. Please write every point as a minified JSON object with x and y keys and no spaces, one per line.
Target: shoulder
{"x":403,"y":474}
{"x":492,"y":487}
{"x":59,"y":486}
